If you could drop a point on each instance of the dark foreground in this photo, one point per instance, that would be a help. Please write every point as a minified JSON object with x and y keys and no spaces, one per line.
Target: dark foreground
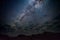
{"x":45,"y":36}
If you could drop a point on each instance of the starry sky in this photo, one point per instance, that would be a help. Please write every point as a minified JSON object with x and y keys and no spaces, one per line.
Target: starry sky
{"x":10,"y":8}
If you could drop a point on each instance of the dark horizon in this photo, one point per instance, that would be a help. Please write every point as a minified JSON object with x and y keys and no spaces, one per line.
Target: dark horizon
{"x":44,"y":36}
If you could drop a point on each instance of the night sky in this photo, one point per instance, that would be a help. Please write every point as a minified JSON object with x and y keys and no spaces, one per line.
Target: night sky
{"x":10,"y":8}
